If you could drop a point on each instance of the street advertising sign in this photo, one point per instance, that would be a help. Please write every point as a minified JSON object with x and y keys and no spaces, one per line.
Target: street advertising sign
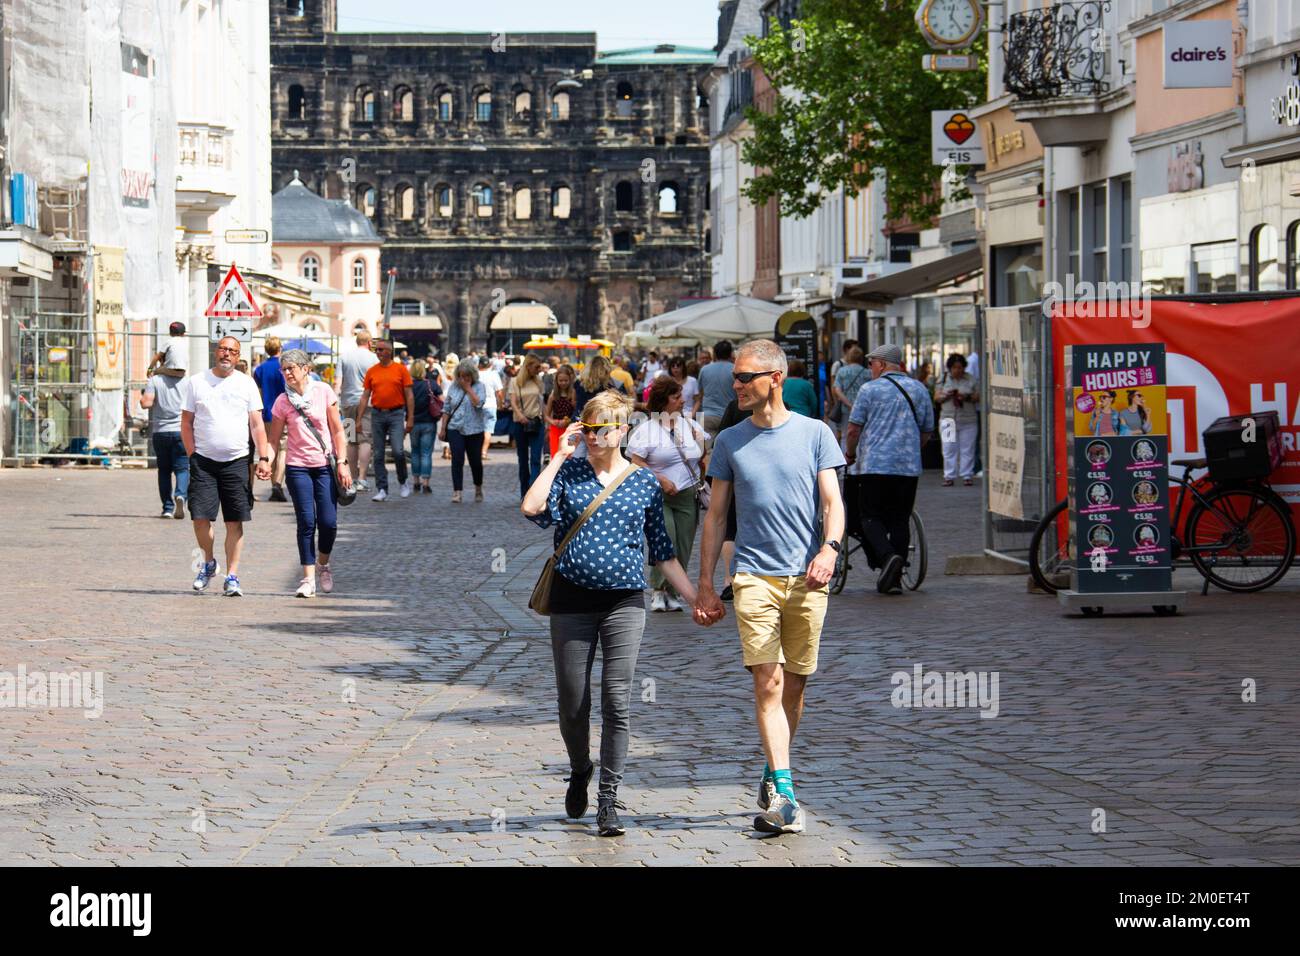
{"x":247,"y":235}
{"x":1207,"y":380}
{"x":1198,"y":54}
{"x":110,"y":342}
{"x":953,"y":139}
{"x":1006,"y":410}
{"x":796,"y":333}
{"x":1118,"y":427}
{"x":234,"y":307}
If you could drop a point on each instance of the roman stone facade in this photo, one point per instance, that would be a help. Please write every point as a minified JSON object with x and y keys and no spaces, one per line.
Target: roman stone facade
{"x":502,"y":167}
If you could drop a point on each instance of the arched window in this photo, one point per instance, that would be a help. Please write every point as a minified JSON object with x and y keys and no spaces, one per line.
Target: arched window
{"x":405,"y":202}
{"x":523,"y":202}
{"x":366,"y":199}
{"x":560,"y":106}
{"x":365,"y":105}
{"x":624,"y":99}
{"x":622,"y":241}
{"x":624,"y":197}
{"x":297,"y":103}
{"x":444,"y":106}
{"x":483,"y":107}
{"x":1265,"y":273}
{"x":358,"y":274}
{"x":403,"y":104}
{"x":560,"y":198}
{"x":442,"y":200}
{"x":310,"y":268}
{"x":668,"y":200}
{"x":523,"y":105}
{"x":483,"y":200}
{"x":1293,"y":255}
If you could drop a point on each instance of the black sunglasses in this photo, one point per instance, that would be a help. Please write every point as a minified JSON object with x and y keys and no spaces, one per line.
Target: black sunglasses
{"x":744,"y":378}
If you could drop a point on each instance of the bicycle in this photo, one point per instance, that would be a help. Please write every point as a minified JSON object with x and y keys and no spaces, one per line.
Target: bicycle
{"x":914,"y":565}
{"x":1243,"y":527}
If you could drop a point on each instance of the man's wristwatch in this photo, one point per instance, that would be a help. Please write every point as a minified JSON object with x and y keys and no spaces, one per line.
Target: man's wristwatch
{"x":838,"y":548}
{"x":263,"y":458}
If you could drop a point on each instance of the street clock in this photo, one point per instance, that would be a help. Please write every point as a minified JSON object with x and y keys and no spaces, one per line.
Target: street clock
{"x":950,"y":24}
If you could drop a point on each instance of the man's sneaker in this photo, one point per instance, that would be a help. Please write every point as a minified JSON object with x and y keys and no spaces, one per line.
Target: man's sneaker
{"x":380,"y":495}
{"x":277,"y":494}
{"x":658,"y":601}
{"x":575,"y":799}
{"x":178,"y":504}
{"x":607,"y":822}
{"x":766,"y":792}
{"x":406,"y":488}
{"x":166,"y":513}
{"x":672,"y":604}
{"x":783,"y":816}
{"x":232,"y":588}
{"x":361,"y":485}
{"x":324,"y":578}
{"x":206,"y":574}
{"x":306,"y":588}
{"x":890,"y":575}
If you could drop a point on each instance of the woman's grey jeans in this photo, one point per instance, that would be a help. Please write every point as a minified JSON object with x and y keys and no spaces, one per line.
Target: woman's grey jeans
{"x":574,"y":638}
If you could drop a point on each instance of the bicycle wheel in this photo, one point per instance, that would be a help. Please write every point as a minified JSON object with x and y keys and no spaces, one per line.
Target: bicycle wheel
{"x":917,"y":556}
{"x":1050,"y":556}
{"x":1252,"y":536}
{"x":841,"y":567}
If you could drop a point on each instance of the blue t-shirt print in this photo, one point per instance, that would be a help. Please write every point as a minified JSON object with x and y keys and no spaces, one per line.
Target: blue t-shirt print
{"x":607,"y":552}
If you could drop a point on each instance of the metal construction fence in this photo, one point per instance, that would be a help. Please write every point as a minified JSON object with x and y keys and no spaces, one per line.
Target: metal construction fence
{"x":59,"y":414}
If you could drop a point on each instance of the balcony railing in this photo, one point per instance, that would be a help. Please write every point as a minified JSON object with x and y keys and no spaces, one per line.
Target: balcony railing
{"x":1061,"y":50}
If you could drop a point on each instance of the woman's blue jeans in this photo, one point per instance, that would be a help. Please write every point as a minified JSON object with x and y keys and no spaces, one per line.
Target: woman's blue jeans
{"x":422,"y":435}
{"x":529,"y":449}
{"x":312,"y":491}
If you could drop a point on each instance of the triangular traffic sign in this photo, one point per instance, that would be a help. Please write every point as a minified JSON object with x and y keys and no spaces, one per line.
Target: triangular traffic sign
{"x":232,"y":299}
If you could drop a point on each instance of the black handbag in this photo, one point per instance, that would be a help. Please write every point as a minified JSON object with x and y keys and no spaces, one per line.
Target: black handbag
{"x":342,"y":496}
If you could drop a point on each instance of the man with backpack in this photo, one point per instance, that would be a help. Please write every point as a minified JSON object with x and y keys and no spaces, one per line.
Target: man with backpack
{"x":892,"y":418}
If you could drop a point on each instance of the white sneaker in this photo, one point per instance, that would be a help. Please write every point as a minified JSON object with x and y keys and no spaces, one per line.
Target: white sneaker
{"x":381,"y":495}
{"x":406,"y":488}
{"x":306,"y":588}
{"x":361,"y":485}
{"x":659,"y":601}
{"x":672,"y":604}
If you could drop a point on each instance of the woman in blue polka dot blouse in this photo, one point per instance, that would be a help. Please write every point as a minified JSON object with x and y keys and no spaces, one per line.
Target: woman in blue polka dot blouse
{"x":597,"y":598}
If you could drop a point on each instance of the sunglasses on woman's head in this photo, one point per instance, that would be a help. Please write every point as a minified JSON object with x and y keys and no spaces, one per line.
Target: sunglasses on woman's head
{"x":744,"y":378}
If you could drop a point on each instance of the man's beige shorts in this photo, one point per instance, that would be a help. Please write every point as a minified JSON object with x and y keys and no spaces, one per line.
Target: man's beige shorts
{"x":780,"y":620}
{"x":362,"y":435}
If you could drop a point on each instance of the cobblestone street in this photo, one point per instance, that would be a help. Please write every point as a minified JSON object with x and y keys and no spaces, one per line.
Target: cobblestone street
{"x":410,"y":716}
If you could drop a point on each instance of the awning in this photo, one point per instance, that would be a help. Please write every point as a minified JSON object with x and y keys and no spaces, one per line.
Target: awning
{"x":415,"y":323}
{"x":524,"y":316}
{"x":1272,"y":151}
{"x":878,"y":293}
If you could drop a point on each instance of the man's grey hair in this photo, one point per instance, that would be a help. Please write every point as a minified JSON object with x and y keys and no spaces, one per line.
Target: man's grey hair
{"x":295,"y":357}
{"x":467,"y":367}
{"x":767,"y":353}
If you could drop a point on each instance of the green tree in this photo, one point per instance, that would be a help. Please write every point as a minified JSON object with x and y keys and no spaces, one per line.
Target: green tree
{"x":856,"y":99}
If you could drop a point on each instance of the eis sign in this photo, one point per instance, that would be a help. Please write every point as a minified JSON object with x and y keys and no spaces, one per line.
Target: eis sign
{"x":1198,"y":54}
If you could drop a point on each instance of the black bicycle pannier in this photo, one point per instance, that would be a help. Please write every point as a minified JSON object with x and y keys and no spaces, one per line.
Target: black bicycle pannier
{"x":1231,"y":457}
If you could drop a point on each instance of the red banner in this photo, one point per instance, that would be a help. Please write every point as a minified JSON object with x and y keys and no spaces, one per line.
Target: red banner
{"x":1223,"y":359}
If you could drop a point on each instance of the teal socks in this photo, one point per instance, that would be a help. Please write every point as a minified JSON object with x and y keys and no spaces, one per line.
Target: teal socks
{"x":784,"y":784}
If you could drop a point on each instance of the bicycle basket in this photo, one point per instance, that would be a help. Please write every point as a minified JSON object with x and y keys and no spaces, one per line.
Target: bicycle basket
{"x":1231,"y":457}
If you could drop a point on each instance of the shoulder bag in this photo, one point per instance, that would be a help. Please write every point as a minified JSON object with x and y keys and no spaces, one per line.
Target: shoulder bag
{"x":342,"y":496}
{"x":435,"y":399}
{"x":540,"y":602}
{"x":703,"y":491}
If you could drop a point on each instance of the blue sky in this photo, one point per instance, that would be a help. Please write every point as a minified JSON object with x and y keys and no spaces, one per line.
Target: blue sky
{"x":617,"y":23}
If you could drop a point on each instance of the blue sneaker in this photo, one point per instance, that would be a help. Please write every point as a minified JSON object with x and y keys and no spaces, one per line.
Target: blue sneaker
{"x":783,"y":816}
{"x":232,"y":588}
{"x":207,"y":573}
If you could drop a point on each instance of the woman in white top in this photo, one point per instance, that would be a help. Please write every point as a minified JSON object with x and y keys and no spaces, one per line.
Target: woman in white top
{"x":689,"y":383}
{"x":671,"y":446}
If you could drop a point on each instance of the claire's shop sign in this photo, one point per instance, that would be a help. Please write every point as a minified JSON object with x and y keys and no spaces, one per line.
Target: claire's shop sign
{"x":1198,"y":54}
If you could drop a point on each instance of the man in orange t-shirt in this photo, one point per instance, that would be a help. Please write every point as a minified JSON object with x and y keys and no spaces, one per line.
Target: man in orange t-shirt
{"x":387,"y":393}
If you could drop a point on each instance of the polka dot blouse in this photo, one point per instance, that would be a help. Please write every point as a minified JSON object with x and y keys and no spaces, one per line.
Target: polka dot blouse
{"x":607,"y":552}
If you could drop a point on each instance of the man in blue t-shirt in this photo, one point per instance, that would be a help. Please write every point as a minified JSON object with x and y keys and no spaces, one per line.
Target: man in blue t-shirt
{"x":891,"y":419}
{"x":270,"y":381}
{"x":715,"y":388}
{"x":789,"y":522}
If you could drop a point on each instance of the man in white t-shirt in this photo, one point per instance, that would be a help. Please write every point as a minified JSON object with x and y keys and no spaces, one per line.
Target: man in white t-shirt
{"x":353,"y":365}
{"x":221,"y":409}
{"x":495,"y":396}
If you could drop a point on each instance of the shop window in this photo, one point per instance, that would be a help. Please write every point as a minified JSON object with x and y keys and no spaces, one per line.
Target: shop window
{"x":1265,"y":270}
{"x":1215,"y":266}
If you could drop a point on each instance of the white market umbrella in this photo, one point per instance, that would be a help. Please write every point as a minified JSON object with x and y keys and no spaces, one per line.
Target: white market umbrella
{"x":640,"y":340}
{"x":736,"y":317}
